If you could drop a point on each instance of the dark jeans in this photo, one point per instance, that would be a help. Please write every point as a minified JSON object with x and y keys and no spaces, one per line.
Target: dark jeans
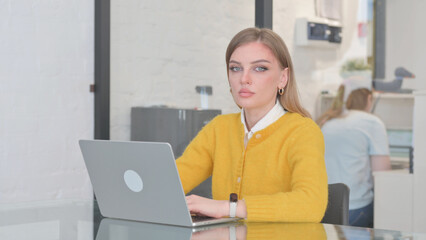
{"x":362,"y":217}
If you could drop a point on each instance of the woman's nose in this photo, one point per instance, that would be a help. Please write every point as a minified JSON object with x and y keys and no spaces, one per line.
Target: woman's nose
{"x":245,"y":78}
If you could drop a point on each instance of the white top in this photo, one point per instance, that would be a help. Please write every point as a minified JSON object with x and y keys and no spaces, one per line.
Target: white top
{"x":349,"y":143}
{"x":273,"y":115}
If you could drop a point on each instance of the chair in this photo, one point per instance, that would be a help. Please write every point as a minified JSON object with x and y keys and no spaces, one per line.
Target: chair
{"x":338,"y":205}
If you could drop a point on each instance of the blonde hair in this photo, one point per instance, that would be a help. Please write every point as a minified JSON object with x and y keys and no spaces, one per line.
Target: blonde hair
{"x":336,"y":108}
{"x":357,"y":100}
{"x":290,"y":99}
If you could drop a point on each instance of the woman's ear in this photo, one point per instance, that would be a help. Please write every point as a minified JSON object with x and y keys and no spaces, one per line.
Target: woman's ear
{"x":283,"y":78}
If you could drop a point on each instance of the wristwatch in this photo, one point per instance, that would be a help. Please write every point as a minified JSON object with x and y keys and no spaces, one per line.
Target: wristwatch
{"x":233,"y":199}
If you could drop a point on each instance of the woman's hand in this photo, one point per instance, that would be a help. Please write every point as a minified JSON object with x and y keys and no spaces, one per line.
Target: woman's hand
{"x":207,"y":207}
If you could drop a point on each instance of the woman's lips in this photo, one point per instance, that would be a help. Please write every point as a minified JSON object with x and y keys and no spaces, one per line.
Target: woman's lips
{"x":245,"y":93}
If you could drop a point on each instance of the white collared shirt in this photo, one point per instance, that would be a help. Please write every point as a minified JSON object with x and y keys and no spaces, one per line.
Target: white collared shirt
{"x":273,"y":115}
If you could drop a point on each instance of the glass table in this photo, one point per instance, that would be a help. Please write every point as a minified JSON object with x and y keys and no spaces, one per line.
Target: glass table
{"x":80,"y":219}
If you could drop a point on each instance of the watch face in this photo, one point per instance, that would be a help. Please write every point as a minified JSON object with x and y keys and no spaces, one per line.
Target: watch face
{"x":233,"y":197}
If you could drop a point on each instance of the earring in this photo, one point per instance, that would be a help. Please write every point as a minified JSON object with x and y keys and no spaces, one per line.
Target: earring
{"x":281,"y":91}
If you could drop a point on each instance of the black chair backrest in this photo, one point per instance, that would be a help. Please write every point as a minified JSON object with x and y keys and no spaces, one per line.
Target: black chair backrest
{"x":338,"y":205}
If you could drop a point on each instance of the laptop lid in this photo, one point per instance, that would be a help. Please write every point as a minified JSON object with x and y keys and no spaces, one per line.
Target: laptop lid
{"x":136,"y":181}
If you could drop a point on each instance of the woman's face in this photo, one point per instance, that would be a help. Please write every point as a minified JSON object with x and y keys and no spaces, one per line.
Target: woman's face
{"x":255,"y":76}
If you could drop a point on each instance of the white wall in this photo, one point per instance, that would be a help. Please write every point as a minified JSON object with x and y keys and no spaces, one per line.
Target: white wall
{"x":160,"y":50}
{"x":405,"y":40}
{"x":46,"y":66}
{"x":318,"y":68}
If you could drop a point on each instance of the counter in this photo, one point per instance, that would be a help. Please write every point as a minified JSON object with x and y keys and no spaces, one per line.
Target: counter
{"x":79,"y":219}
{"x":393,"y":199}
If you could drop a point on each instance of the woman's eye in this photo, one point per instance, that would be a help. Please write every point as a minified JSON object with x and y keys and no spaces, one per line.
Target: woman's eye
{"x":235,"y":69}
{"x":260,"y":69}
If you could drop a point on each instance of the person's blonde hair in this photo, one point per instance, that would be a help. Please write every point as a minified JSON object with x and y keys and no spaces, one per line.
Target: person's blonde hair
{"x":336,"y":108}
{"x":357,"y":100}
{"x":290,"y":99}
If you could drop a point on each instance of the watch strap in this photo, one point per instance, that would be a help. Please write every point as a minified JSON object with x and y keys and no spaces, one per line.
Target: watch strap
{"x":233,"y":200}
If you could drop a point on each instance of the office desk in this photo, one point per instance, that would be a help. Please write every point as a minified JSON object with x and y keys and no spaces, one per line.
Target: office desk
{"x":75,"y":219}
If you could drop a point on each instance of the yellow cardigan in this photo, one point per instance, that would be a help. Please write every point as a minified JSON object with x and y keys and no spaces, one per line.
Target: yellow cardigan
{"x":280,"y":175}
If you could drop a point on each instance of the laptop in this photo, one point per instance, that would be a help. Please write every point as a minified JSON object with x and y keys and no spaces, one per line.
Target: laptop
{"x":139,"y":181}
{"x":130,"y":230}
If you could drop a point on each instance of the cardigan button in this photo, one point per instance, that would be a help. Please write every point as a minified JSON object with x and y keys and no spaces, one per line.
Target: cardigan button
{"x":239,"y":180}
{"x":258,"y":136}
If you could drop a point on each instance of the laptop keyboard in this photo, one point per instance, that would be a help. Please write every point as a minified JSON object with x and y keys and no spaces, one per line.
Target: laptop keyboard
{"x":197,"y":218}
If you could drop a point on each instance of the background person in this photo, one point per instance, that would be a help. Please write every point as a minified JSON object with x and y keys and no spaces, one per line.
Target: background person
{"x":356,"y":144}
{"x":271,"y":154}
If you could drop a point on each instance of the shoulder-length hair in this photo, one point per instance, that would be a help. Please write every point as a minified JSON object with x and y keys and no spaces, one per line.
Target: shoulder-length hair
{"x":357,"y":100}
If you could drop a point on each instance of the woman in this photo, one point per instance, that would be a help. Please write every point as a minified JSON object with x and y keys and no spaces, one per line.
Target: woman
{"x":355,"y":145}
{"x":271,"y":154}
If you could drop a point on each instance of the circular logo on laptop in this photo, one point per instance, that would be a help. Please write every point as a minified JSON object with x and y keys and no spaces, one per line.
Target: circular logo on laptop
{"x":133,"y":181}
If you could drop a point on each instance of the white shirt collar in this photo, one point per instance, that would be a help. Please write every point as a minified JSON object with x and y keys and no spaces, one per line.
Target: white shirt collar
{"x":273,"y":115}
